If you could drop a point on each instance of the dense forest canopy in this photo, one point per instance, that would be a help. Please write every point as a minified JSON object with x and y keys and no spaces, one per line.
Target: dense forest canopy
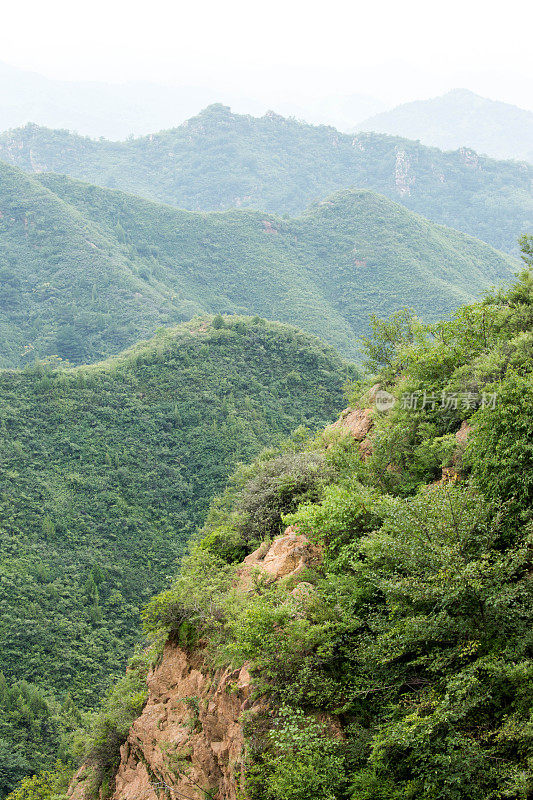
{"x":87,"y":271}
{"x":104,"y":473}
{"x":219,"y":160}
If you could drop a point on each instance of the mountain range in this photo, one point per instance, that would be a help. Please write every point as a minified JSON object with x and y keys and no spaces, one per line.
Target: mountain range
{"x":157,"y":427}
{"x":220,"y":160}
{"x":461,"y":118}
{"x":119,"y":110}
{"x":87,"y":271}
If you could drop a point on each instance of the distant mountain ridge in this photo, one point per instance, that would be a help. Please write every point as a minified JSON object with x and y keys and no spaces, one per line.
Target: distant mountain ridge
{"x":220,"y":160}
{"x":94,"y":108}
{"x":119,"y":110}
{"x":461,"y":118}
{"x":87,"y":271}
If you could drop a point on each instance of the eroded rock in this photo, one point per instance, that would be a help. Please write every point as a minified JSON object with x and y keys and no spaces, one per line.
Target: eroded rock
{"x":189,"y":739}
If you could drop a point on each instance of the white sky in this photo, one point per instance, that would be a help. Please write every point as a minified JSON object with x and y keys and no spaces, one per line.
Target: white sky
{"x":393,"y":50}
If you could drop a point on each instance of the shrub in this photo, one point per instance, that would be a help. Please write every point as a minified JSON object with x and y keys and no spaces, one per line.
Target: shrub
{"x":45,"y":785}
{"x":253,"y":508}
{"x":196,"y":597}
{"x":303,"y":761}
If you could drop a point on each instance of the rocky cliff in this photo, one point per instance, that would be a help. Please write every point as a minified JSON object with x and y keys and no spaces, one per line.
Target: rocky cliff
{"x":188,"y":741}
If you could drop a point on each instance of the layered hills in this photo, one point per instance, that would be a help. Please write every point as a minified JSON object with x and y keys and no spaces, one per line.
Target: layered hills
{"x":87,"y":271}
{"x":106,"y":470}
{"x":219,"y":160}
{"x":461,"y":118}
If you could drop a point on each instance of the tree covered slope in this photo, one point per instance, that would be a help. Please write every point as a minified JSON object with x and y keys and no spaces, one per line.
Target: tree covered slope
{"x":398,"y":662}
{"x":86,"y":271}
{"x":220,"y":160}
{"x":65,"y":287}
{"x":106,"y":470}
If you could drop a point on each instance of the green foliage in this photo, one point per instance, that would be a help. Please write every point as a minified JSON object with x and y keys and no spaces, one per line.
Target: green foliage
{"x":502,"y":448}
{"x":387,"y":338}
{"x":441,"y":379}
{"x":34,"y":729}
{"x":221,"y":160}
{"x":13,"y":767}
{"x":269,"y":488}
{"x":526,"y":246}
{"x":105,"y":472}
{"x":341,"y":517}
{"x":218,"y":322}
{"x":413,"y":633}
{"x":194,"y":600}
{"x":302,"y":761}
{"x":45,"y":785}
{"x":87,"y":271}
{"x":123,"y":703}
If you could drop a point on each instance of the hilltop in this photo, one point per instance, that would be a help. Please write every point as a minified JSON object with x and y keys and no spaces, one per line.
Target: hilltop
{"x":461,"y":118}
{"x":87,"y":271}
{"x":219,"y":160}
{"x":104,"y":473}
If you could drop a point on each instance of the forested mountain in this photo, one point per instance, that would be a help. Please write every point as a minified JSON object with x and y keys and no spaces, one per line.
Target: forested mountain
{"x":86,"y":271}
{"x":461,"y":118}
{"x":376,"y":642}
{"x":220,"y":160}
{"x":105,"y":471}
{"x":66,"y":288}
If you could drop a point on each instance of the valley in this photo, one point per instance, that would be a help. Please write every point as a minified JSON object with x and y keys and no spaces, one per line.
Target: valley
{"x":88,"y":271}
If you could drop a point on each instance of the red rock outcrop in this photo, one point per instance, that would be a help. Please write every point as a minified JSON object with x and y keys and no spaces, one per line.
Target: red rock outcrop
{"x":453,"y":473}
{"x":189,"y":737}
{"x":463,"y":433}
{"x":287,"y":556}
{"x":358,"y":422}
{"x":188,"y":742}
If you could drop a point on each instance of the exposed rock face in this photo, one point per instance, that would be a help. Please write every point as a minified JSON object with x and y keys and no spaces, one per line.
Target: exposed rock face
{"x":358,"y":422}
{"x":287,"y":556}
{"x":188,"y":741}
{"x":404,"y":177}
{"x":189,"y":736}
{"x":463,"y":433}
{"x":453,"y":473}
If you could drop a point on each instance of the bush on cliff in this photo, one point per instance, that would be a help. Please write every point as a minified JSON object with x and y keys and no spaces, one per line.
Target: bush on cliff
{"x":416,"y":641}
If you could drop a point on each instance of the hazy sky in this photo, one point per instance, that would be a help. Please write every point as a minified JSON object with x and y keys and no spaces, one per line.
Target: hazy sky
{"x":396,"y":51}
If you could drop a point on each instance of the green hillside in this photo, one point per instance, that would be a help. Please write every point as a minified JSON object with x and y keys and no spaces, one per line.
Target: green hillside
{"x":87,"y":271}
{"x":105,"y":471}
{"x":398,"y":663}
{"x":220,"y":160}
{"x":66,"y":287}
